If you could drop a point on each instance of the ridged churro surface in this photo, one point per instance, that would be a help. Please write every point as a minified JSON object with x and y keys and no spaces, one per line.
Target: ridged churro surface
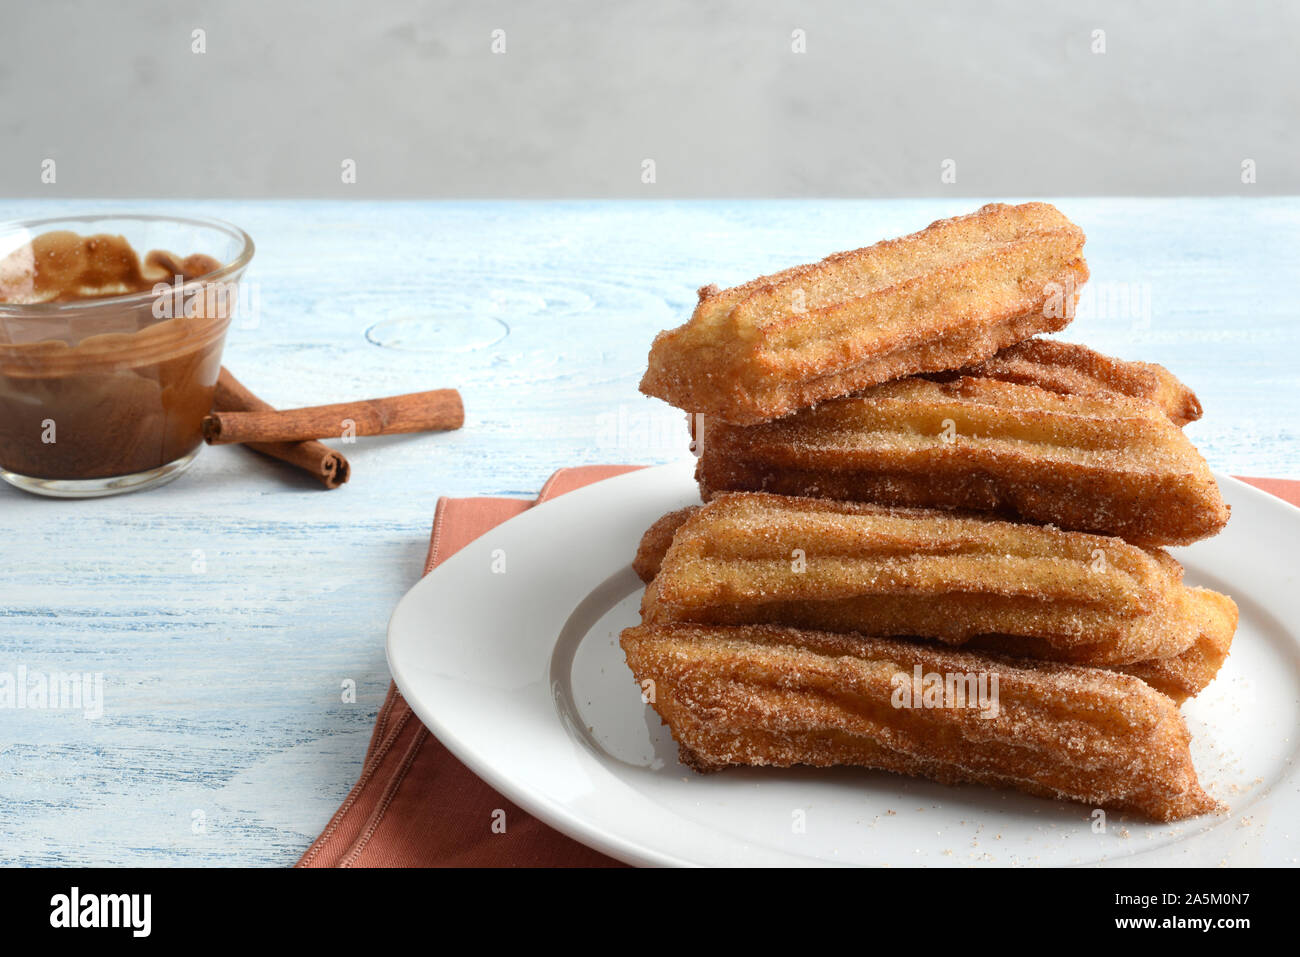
{"x":961,"y":579}
{"x":656,"y":541}
{"x":1213,"y":618}
{"x":952,"y":294}
{"x":1073,"y":369}
{"x":776,"y":696}
{"x":1102,"y":462}
{"x":1186,"y":675}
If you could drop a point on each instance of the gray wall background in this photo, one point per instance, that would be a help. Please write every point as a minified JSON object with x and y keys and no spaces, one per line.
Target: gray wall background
{"x":587,"y":90}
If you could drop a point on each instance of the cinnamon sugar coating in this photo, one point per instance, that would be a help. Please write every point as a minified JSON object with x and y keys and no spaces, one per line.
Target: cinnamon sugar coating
{"x":1073,"y":369}
{"x":761,"y":695}
{"x":952,"y":294}
{"x":1186,"y":675}
{"x":1212,"y":616}
{"x":654,"y":543}
{"x":1102,"y":462}
{"x":961,"y":579}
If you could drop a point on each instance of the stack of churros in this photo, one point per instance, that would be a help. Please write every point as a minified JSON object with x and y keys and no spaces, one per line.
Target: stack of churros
{"x":931,"y":542}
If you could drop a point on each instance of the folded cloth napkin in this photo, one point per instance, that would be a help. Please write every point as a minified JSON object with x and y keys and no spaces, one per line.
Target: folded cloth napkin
{"x":415,"y":805}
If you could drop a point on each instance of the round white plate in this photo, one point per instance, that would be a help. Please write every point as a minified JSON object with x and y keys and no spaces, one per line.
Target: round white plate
{"x":509,"y":653}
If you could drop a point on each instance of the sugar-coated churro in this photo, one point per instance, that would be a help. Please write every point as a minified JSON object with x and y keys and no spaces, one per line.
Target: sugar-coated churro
{"x":1072,"y":369}
{"x":1102,"y":463}
{"x":952,"y":294}
{"x":1029,"y":590}
{"x":762,"y":695}
{"x":1180,"y":676}
{"x":1186,"y":675}
{"x":654,"y":543}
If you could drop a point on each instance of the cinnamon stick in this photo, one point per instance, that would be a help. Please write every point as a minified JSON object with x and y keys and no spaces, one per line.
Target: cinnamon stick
{"x":327,"y":465}
{"x":439,"y":410}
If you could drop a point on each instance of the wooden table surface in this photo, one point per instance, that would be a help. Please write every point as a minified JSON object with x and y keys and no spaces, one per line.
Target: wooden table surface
{"x":227,"y":610}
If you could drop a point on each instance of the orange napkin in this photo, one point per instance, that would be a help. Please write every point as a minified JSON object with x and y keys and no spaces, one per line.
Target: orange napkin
{"x":417,"y":806}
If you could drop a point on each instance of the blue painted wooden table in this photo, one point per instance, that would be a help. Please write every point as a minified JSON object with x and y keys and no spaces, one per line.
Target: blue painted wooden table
{"x":227,"y":610}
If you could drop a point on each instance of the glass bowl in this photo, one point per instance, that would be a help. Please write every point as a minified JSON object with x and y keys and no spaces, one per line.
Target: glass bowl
{"x":110,"y":351}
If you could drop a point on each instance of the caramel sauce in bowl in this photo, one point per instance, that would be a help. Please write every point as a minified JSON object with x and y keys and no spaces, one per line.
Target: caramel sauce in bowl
{"x":108,"y":359}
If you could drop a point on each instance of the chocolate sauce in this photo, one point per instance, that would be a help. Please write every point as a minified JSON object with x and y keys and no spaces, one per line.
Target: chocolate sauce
{"x":108,"y":386}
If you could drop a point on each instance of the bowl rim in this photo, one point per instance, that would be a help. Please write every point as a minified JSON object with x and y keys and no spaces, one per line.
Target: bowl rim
{"x":33,"y":310}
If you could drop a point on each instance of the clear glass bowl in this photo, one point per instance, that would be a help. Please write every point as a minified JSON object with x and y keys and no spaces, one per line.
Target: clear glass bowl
{"x":106,"y":393}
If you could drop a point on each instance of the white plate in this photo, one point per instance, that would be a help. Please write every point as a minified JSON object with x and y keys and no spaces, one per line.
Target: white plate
{"x":519,"y":673}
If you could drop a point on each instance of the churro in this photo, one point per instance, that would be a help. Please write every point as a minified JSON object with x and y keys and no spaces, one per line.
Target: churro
{"x":1036,"y":591}
{"x":1072,"y":369}
{"x":1186,"y":675}
{"x":1103,"y":463}
{"x":655,"y":542}
{"x":755,"y":695}
{"x":1181,"y":676}
{"x":953,"y":294}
